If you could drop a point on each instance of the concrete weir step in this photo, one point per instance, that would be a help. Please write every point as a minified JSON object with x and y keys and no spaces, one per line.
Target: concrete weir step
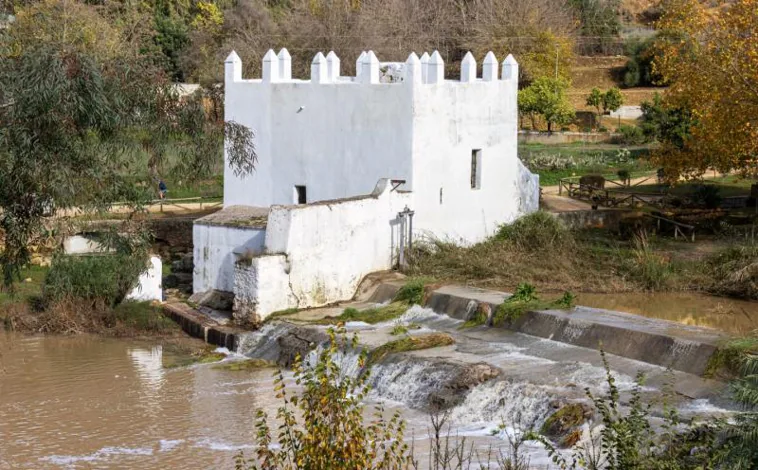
{"x":664,"y":343}
{"x":203,"y":325}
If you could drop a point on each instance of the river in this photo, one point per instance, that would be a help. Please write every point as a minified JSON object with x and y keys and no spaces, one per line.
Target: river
{"x":89,"y":402}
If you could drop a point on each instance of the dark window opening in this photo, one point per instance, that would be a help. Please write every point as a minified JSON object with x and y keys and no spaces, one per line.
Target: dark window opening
{"x":476,"y":169}
{"x":301,"y":195}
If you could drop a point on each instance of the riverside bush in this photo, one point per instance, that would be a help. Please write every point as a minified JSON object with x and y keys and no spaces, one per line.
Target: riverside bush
{"x":105,"y":278}
{"x":323,"y":426}
{"x":536,"y":232}
{"x":734,"y":272}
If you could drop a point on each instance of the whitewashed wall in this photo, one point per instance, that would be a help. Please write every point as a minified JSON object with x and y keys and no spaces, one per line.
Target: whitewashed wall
{"x":214,"y":257}
{"x":317,"y":254}
{"x":451,"y":120}
{"x":338,"y":136}
{"x":150,"y":284}
{"x":337,"y":139}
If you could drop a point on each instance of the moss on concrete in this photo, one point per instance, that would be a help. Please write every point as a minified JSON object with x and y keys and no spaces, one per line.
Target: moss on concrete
{"x":410,"y":343}
{"x":560,"y":424}
{"x":370,"y":315}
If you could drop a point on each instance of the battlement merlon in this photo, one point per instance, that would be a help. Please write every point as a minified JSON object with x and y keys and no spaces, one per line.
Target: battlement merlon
{"x":325,"y":70}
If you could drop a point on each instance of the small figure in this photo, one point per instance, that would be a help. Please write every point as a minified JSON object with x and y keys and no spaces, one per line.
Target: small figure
{"x":162,"y":189}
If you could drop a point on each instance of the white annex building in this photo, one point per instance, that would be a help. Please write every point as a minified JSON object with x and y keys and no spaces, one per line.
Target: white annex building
{"x":339,"y":158}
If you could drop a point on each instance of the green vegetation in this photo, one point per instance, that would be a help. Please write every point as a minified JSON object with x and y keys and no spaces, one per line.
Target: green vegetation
{"x":525,"y":299}
{"x":323,"y":425}
{"x":562,"y":422}
{"x":98,"y":75}
{"x":281,"y":313}
{"x":546,"y":97}
{"x":539,"y":250}
{"x":143,"y":317}
{"x":371,"y":315}
{"x":604,"y":102}
{"x":734,"y":272}
{"x":105,"y":278}
{"x":553,"y":163}
{"x":650,"y":269}
{"x":412,"y":292}
{"x":25,"y":290}
{"x":536,"y":232}
{"x":398,"y":330}
{"x":639,"y":68}
{"x":410,"y":343}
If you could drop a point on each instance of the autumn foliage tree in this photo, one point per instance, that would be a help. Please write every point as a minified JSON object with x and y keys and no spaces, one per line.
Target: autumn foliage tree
{"x":710,"y":60}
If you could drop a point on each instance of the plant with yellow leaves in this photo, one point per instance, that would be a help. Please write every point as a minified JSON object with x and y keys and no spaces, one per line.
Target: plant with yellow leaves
{"x":323,"y":428}
{"x":710,"y":59}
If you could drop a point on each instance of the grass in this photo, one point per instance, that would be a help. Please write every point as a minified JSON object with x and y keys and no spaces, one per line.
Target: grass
{"x":553,"y":163}
{"x":371,"y":315}
{"x":410,"y":343}
{"x":730,"y":356}
{"x":144,"y":316}
{"x":24,"y":291}
{"x":539,"y":250}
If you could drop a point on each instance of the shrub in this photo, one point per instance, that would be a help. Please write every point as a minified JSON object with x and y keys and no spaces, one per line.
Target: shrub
{"x":651,"y":270}
{"x":323,"y":427}
{"x":707,"y":195}
{"x":412,"y":292}
{"x":631,"y":135}
{"x":539,"y":231}
{"x":734,"y":272}
{"x":103,"y":278}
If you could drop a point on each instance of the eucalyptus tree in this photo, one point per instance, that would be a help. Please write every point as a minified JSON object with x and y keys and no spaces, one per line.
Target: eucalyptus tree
{"x":76,"y":122}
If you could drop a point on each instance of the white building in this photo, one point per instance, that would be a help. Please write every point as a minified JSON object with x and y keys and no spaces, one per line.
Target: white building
{"x":340,"y":157}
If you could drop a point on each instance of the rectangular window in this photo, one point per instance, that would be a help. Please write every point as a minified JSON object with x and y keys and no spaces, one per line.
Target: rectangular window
{"x":476,"y":169}
{"x":300,"y":195}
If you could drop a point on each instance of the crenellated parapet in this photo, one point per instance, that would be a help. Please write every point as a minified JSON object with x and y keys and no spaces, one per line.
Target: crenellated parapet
{"x":428,"y":69}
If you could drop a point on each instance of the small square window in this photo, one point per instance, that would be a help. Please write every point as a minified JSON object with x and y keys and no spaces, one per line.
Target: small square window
{"x":476,"y":169}
{"x":300,"y":195}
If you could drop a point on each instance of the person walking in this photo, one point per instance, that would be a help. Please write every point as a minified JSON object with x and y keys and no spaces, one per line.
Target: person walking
{"x":162,"y":189}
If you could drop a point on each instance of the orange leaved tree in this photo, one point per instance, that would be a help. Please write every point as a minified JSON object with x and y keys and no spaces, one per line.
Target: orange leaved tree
{"x":710,"y":58}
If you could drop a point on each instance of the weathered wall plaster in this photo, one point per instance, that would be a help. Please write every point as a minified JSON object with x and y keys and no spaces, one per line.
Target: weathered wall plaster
{"x":316,"y":254}
{"x":213,"y":253}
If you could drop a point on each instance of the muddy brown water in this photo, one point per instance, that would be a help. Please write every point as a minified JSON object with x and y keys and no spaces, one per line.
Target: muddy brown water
{"x":89,"y":402}
{"x":93,"y":403}
{"x":738,"y":317}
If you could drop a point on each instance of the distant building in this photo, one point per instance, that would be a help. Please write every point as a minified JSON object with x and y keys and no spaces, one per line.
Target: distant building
{"x":339,"y":160}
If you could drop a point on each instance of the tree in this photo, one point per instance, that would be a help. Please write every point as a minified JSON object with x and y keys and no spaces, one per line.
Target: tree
{"x":527,"y":106}
{"x":550,"y":100}
{"x":638,"y":70}
{"x":711,"y":63}
{"x":74,"y":117}
{"x":595,"y":99}
{"x":612,"y":100}
{"x":665,"y":123}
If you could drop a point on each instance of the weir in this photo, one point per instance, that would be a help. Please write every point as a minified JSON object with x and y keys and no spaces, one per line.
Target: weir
{"x":659,"y":342}
{"x":500,"y":380}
